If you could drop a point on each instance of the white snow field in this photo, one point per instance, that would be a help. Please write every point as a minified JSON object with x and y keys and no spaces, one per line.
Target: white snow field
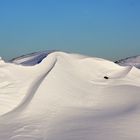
{"x":66,"y":97}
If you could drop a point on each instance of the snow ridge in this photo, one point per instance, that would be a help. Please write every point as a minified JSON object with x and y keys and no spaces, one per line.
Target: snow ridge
{"x":66,"y":97}
{"x":130,"y":61}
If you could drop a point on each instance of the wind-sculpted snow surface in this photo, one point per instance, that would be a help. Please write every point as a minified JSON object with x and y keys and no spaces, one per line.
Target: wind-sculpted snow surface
{"x":66,"y":97}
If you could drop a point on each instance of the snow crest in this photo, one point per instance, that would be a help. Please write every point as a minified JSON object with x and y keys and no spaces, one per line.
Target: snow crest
{"x":66,"y":97}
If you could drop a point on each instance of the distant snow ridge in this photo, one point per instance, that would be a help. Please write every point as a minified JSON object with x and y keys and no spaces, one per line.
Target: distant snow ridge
{"x":130,"y":61}
{"x":31,"y":59}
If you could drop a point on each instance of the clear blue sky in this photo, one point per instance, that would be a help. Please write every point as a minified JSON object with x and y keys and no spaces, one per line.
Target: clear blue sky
{"x":103,"y":28}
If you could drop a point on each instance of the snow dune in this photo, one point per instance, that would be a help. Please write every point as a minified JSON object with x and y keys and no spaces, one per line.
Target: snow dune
{"x":66,"y":97}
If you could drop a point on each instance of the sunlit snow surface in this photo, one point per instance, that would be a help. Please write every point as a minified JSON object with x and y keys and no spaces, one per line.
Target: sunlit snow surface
{"x":65,"y":97}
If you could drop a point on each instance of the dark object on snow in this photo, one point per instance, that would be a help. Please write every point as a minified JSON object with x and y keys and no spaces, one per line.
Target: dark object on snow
{"x":105,"y":77}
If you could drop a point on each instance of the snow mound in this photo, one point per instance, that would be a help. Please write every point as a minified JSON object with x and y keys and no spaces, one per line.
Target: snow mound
{"x":66,"y":97}
{"x":130,"y":61}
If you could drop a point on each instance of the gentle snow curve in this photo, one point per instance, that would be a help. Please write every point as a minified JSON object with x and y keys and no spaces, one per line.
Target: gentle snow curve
{"x":66,"y":97}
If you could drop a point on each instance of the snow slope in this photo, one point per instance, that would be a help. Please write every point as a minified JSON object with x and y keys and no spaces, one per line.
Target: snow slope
{"x":65,"y":97}
{"x":130,"y":61}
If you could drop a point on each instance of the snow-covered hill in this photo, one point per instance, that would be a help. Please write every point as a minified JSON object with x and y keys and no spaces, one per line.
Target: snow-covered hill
{"x":67,"y":97}
{"x":130,"y":61}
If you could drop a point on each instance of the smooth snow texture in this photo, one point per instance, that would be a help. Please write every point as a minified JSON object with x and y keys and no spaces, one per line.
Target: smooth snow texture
{"x":65,"y":97}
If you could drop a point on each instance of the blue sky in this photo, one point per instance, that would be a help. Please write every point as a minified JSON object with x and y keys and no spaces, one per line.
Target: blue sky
{"x":104,"y":28}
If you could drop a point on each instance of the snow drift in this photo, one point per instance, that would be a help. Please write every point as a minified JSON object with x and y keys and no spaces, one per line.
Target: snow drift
{"x":66,"y":97}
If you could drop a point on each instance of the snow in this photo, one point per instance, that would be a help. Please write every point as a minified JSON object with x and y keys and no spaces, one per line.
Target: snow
{"x":31,"y":59}
{"x":65,"y":97}
{"x":130,"y":61}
